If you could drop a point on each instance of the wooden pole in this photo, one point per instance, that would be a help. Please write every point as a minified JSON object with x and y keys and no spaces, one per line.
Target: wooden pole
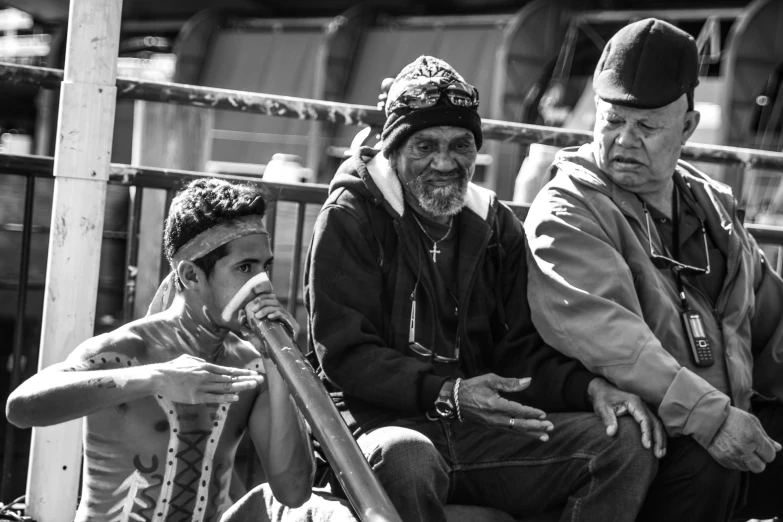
{"x":81,"y":168}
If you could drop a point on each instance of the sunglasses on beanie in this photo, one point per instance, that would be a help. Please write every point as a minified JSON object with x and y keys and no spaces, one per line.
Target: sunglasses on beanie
{"x":424,"y":95}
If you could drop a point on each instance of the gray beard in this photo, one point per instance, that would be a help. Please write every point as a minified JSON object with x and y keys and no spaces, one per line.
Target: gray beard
{"x":440,"y":201}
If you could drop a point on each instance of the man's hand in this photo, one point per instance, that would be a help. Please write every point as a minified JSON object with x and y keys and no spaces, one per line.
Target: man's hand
{"x":267,"y":306}
{"x":479,"y":400}
{"x":191,"y":380}
{"x":256,"y":298}
{"x":610,"y":402}
{"x":741,"y":443}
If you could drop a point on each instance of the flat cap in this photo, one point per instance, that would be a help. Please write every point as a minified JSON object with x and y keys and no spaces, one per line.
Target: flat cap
{"x":647,"y":64}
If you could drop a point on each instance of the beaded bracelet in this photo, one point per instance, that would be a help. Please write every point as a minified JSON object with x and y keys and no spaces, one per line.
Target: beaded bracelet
{"x":456,"y":399}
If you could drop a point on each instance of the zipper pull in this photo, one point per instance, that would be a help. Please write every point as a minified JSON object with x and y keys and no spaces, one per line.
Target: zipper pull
{"x":718,"y":319}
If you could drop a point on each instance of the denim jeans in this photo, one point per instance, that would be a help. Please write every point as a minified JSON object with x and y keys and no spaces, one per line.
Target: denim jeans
{"x":763,"y":496}
{"x":690,"y":486}
{"x":587,"y":474}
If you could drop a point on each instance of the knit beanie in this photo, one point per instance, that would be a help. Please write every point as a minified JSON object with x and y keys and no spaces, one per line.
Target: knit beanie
{"x":646,"y":65}
{"x":404,"y":121}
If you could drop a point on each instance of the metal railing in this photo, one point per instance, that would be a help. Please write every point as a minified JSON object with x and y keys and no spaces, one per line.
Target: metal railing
{"x":360,"y":484}
{"x":300,"y":194}
{"x":41,"y":167}
{"x":351,"y":114}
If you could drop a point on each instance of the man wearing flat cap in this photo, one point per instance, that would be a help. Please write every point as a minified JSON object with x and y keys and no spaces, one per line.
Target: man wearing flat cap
{"x":641,"y":268}
{"x":416,"y":293}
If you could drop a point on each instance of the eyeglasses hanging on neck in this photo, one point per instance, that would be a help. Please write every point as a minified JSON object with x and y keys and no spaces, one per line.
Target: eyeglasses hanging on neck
{"x":692,"y":320}
{"x":662,"y":261}
{"x":421,"y":349}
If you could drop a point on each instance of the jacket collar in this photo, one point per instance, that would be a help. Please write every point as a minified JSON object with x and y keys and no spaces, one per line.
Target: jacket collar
{"x":479,"y":200}
{"x":579,"y":164}
{"x":583,"y":169}
{"x":711,"y":201}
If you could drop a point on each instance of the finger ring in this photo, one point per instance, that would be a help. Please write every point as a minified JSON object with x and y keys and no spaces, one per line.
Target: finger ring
{"x":511,"y":422}
{"x":227,"y":385}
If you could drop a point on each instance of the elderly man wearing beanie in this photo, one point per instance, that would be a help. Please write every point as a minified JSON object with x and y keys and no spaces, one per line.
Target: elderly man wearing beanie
{"x":416,"y":292}
{"x":641,"y":269}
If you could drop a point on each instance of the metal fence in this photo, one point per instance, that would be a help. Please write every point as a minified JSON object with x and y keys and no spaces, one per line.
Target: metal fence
{"x":361,"y":115}
{"x":32,"y":167}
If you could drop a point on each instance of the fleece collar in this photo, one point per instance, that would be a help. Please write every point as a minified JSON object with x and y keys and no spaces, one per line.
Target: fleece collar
{"x":479,"y":199}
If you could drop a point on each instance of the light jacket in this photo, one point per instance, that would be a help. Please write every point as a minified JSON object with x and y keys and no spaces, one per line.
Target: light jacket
{"x":596,"y":296}
{"x":361,"y":269}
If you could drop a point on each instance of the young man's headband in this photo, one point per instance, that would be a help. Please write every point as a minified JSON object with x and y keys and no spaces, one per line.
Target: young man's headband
{"x":217,"y":236}
{"x":198,"y":247}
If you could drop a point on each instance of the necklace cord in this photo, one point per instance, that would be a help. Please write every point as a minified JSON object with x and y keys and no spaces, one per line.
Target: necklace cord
{"x":434,"y":250}
{"x":451,"y":222}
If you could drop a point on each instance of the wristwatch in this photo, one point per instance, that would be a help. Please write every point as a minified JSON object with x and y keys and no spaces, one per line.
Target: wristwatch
{"x":444,"y":404}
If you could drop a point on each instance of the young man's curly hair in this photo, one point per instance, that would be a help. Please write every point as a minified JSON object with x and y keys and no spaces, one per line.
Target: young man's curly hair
{"x":203,"y":204}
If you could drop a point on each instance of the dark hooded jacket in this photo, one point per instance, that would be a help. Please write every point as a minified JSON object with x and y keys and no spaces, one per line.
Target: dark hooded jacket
{"x":359,"y":275}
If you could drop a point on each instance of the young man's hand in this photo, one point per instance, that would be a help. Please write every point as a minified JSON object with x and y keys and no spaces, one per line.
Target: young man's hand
{"x":256,"y":299}
{"x":267,"y":306}
{"x":258,"y":285}
{"x":191,"y":380}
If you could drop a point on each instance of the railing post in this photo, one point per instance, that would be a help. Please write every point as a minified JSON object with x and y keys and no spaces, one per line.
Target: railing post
{"x":81,"y":168}
{"x":169,"y":136}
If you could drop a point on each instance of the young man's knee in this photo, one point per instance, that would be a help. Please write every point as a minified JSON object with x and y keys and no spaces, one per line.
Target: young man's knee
{"x":397,"y":453}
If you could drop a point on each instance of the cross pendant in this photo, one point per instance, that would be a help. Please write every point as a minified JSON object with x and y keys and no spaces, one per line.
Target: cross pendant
{"x":435,"y":252}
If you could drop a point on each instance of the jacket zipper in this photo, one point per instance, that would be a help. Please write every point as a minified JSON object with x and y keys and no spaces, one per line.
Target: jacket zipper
{"x":718,"y":320}
{"x":735,"y":266}
{"x":719,"y":323}
{"x":706,"y":298}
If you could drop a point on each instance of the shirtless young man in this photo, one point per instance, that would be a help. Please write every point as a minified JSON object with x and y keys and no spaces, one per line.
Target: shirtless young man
{"x":167,"y":398}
